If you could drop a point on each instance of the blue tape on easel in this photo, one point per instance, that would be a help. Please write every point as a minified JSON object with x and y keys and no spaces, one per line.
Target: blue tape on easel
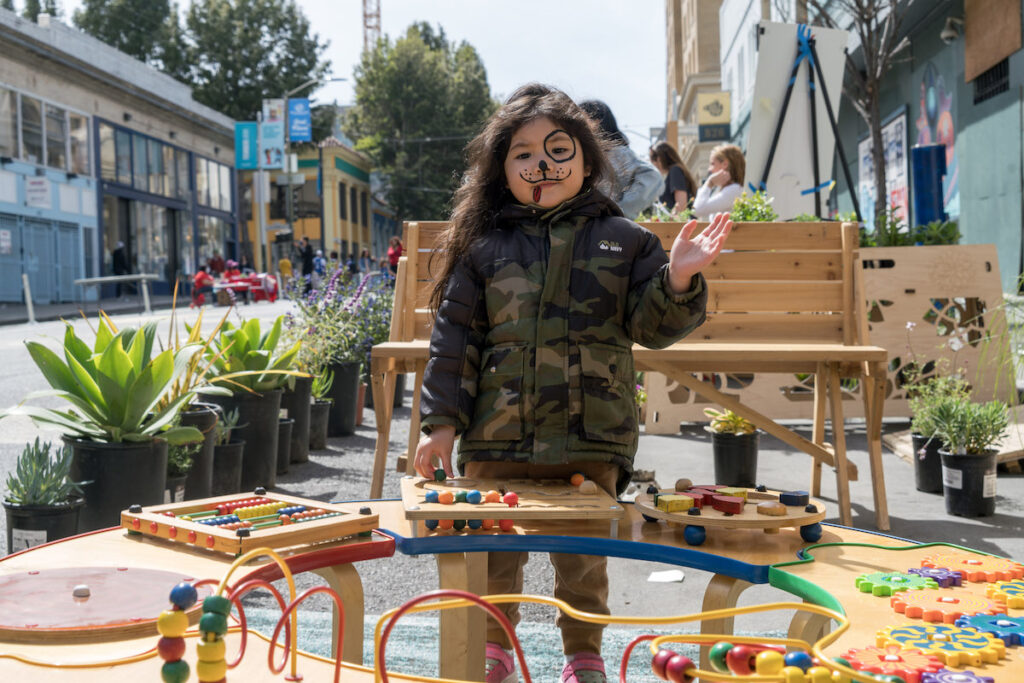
{"x":754,"y":188}
{"x":803,"y":36}
{"x":828,"y":184}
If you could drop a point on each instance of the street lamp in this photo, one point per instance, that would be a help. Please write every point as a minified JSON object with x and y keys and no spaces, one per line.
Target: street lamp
{"x":287,"y":140}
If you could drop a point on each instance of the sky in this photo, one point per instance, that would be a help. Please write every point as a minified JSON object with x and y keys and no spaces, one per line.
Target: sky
{"x":612,"y":50}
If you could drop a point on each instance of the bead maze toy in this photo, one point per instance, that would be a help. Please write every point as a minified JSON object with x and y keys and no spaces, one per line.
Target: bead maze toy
{"x":463,"y":503}
{"x":713,"y":506}
{"x":233,"y":524}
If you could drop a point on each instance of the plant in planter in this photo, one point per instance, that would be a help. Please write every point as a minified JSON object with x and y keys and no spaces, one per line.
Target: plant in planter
{"x":42,"y":502}
{"x":734,"y":444}
{"x":969,"y":432}
{"x":318,"y":411}
{"x":926,"y":397}
{"x":180,"y":460}
{"x":753,"y":207}
{"x":119,"y":424}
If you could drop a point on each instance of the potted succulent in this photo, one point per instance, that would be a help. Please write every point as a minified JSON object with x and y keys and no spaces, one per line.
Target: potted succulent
{"x":319,"y":409}
{"x":246,"y":360}
{"x":42,"y":502}
{"x":925,"y":397}
{"x":119,"y":423}
{"x":969,"y":432}
{"x":227,"y":455}
{"x":180,"y":461}
{"x":734,"y":444}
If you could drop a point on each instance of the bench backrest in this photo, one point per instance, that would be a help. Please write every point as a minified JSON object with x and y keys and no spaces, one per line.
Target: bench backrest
{"x":774,"y":282}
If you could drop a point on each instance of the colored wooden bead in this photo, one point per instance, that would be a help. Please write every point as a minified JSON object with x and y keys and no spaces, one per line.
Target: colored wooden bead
{"x":211,"y":671}
{"x":217,"y":604}
{"x":506,"y":524}
{"x":211,"y":650}
{"x":475,"y":523}
{"x":659,"y":661}
{"x":172,"y":623}
{"x":492,"y":496}
{"x":459,"y":524}
{"x":439,"y":475}
{"x":487,"y":524}
{"x":577,"y":479}
{"x":676,"y":668}
{"x":694,"y":535}
{"x":588,"y":488}
{"x":431,"y":496}
{"x":431,"y":524}
{"x":474,"y":497}
{"x":511,"y":499}
{"x":175,"y":672}
{"x":811,"y":533}
{"x":446,"y":497}
{"x":800,"y":498}
{"x":717,"y":656}
{"x":793,"y":674}
{"x":740,"y":660}
{"x":819,"y":674}
{"x":768,"y":663}
{"x":212,"y":622}
{"x":446,"y":523}
{"x":799,"y":659}
{"x":170,"y":649}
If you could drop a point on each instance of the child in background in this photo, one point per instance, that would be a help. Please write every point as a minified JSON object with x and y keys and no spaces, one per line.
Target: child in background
{"x":202,"y":284}
{"x":543,"y":288}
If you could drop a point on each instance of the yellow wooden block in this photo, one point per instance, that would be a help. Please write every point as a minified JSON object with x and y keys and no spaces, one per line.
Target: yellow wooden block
{"x":673,"y":503}
{"x":733,"y":491}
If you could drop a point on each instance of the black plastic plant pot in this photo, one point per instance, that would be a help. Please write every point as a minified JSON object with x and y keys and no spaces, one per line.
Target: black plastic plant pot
{"x":927,"y":463}
{"x":177,"y":488}
{"x":735,"y":458}
{"x":341,"y":419}
{"x":117,"y":475}
{"x":296,"y":402}
{"x":32,"y":525}
{"x":227,"y":468}
{"x":259,"y":414}
{"x":318,"y":414}
{"x":200,"y":478}
{"x":285,"y":426}
{"x":969,"y":484}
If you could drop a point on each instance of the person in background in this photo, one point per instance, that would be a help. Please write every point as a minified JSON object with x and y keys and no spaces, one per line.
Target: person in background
{"x":334,"y":257}
{"x":216,"y":264}
{"x":726,"y":171}
{"x":306,"y":256}
{"x":231,"y":270}
{"x":679,"y":183}
{"x":243,"y":265}
{"x":365,"y":261}
{"x":119,"y":264}
{"x":319,"y":268}
{"x":394,"y":253}
{"x":202,"y":284}
{"x":635,"y":184}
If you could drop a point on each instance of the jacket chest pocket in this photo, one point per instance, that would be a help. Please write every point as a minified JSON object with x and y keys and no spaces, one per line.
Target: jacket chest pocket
{"x":609,"y":403}
{"x":498,"y":412}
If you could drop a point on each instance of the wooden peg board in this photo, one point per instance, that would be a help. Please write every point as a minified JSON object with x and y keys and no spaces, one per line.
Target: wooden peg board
{"x":153,"y":521}
{"x":544,"y":499}
{"x":796,"y":516}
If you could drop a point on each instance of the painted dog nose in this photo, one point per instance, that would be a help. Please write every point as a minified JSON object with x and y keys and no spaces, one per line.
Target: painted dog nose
{"x":543,"y":166}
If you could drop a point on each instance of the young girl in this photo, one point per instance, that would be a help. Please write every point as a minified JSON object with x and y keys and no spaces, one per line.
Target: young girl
{"x":726,"y":169}
{"x":542,"y":290}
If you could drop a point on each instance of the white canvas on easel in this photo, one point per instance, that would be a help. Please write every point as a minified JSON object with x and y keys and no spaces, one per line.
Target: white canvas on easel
{"x":792,"y":171}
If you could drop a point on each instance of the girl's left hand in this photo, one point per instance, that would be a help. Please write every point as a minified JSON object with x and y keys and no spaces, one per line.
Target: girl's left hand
{"x":688,"y":257}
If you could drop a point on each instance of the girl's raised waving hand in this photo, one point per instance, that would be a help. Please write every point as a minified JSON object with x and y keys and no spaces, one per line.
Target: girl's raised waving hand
{"x":689,"y":256}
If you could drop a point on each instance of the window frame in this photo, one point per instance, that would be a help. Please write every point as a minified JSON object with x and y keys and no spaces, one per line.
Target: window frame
{"x":44,"y":102}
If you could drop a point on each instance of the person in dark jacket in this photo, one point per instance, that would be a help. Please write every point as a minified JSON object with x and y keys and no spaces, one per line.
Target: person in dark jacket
{"x":306,"y":256}
{"x":543,"y":288}
{"x":679,"y":183}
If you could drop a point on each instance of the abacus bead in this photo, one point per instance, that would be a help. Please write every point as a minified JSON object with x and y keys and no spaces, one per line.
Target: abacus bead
{"x":174,"y":672}
{"x":506,"y":524}
{"x":659,"y":661}
{"x":446,"y":523}
{"x":487,"y":524}
{"x":217,"y":604}
{"x":439,"y":475}
{"x":793,"y":674}
{"x":474,"y":497}
{"x":576,"y":479}
{"x":430,"y":497}
{"x":676,"y":668}
{"x":184,"y":595}
{"x":459,"y":524}
{"x":430,"y":524}
{"x":511,"y":499}
{"x":460,"y":496}
{"x":740,"y":659}
{"x":172,"y":623}
{"x":474,"y":523}
{"x":170,"y":649}
{"x":492,"y":496}
{"x":211,"y":671}
{"x":446,"y":498}
{"x":211,"y":650}
{"x":214,"y":623}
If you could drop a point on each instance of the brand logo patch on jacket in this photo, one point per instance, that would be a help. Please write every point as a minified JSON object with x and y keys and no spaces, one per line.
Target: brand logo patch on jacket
{"x":608,"y":245}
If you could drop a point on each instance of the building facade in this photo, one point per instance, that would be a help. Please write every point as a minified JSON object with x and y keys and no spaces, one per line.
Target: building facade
{"x":107,"y":166}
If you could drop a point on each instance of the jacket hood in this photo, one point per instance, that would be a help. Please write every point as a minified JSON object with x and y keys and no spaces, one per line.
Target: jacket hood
{"x":589,"y":203}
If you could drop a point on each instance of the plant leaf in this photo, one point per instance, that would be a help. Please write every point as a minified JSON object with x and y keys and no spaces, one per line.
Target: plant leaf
{"x":56,"y":372}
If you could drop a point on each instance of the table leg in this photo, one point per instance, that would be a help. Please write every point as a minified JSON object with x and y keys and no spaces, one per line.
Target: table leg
{"x":382,"y":382}
{"x":722,"y":593}
{"x":808,"y":627}
{"x":818,"y":429}
{"x":835,"y":399}
{"x":145,"y":297}
{"x":344,"y":580}
{"x":463,"y":632}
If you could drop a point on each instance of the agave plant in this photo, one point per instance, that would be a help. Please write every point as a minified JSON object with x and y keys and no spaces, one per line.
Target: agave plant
{"x":322,"y":382}
{"x":246,"y":359}
{"x":728,"y":422}
{"x":42,"y":479}
{"x":115,"y":388}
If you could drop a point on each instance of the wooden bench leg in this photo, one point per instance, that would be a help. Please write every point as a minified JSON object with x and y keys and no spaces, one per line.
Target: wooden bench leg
{"x":722,"y":593}
{"x":839,"y":439}
{"x":818,"y":430}
{"x":344,"y":580}
{"x":414,"y":420}
{"x":809,"y":627}
{"x":463,"y":631}
{"x":382,"y":379}
{"x":874,"y":409}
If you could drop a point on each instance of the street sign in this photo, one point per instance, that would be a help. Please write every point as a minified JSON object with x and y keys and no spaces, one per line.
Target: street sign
{"x":290,"y":179}
{"x":247,"y":151}
{"x":272,"y":134}
{"x":714,"y":116}
{"x":300,"y":120}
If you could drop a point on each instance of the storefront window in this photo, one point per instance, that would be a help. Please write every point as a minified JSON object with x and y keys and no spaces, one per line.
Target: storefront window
{"x":8,"y":123}
{"x":151,"y":233}
{"x":108,"y":154}
{"x":156,"y":167}
{"x":31,"y":130}
{"x":56,"y":137}
{"x":186,"y":247}
{"x":170,"y":188}
{"x":225,"y":188}
{"x":79,"y":126}
{"x":184,"y":182}
{"x":140,"y":153}
{"x":212,"y":235}
{"x":123,"y":143}
{"x":213,"y":178}
{"x":202,"y":184}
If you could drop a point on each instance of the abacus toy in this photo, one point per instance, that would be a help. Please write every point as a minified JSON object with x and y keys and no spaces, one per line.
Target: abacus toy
{"x":231,"y":524}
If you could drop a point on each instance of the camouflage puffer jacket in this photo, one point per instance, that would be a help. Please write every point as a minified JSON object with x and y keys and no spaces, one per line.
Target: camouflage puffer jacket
{"x":530,"y":357}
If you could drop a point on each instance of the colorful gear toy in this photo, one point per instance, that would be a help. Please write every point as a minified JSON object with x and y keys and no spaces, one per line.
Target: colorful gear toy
{"x":944,"y":577}
{"x":888,"y":583}
{"x":943,"y":606}
{"x":954,"y":645}
{"x":947,"y":676}
{"x":893,"y":660}
{"x":977,"y":568}
{"x":1010,"y":593}
{"x":1008,"y":629}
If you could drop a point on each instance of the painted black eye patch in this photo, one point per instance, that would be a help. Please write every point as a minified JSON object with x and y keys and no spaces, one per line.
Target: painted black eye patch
{"x":549,"y":145}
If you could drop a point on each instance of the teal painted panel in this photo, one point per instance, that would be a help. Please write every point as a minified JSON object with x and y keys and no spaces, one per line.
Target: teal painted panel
{"x":353,"y":171}
{"x":309,"y":163}
{"x":990,"y":196}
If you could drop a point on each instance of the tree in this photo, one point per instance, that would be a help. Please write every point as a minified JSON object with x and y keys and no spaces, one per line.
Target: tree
{"x":238,"y":52}
{"x":419,"y":99}
{"x":33,"y":8}
{"x":135,"y":27}
{"x":7,"y":4}
{"x":877,"y":24}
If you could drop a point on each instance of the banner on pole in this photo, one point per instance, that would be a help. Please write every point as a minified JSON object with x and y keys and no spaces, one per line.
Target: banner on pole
{"x":272,"y":134}
{"x":247,"y":151}
{"x":300,"y":120}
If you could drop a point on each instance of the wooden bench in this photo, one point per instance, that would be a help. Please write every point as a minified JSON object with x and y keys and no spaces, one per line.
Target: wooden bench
{"x":783,"y":297}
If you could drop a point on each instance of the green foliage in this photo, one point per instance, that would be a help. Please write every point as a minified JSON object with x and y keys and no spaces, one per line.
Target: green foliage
{"x":7,"y":4}
{"x":39,"y":479}
{"x":246,"y":358}
{"x":322,"y":383}
{"x":891,"y":231}
{"x":33,"y":8}
{"x":937,"y":232}
{"x":419,"y":99}
{"x":805,"y":218}
{"x":970,"y":428}
{"x":139,"y":28}
{"x":754,"y":207}
{"x":116,"y":387}
{"x":728,"y":422}
{"x":226,"y":421}
{"x":181,"y":457}
{"x":932,"y":395}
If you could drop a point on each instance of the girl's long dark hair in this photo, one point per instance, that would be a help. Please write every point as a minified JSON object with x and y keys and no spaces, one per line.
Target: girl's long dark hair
{"x":483,"y":190}
{"x":667,"y":157}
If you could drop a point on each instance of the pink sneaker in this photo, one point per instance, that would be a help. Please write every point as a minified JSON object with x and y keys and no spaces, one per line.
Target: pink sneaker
{"x":500,"y":667}
{"x":585,"y":667}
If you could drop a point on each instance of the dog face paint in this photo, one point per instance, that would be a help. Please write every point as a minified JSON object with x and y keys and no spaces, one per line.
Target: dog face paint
{"x":544,"y":165}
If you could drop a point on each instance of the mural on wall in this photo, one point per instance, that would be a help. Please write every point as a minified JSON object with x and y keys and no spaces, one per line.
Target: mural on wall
{"x":897,"y":176}
{"x":935,"y":126}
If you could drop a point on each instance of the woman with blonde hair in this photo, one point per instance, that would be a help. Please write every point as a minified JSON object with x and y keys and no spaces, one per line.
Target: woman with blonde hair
{"x":726,"y":170}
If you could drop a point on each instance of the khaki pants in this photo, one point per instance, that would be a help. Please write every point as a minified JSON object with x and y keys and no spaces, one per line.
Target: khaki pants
{"x":580,"y":580}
